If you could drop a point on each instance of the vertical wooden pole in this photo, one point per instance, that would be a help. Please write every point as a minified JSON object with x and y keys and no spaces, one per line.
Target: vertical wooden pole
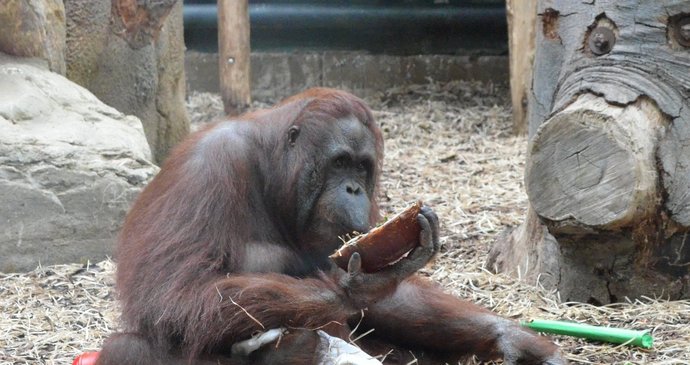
{"x":522,"y":20}
{"x":233,"y":55}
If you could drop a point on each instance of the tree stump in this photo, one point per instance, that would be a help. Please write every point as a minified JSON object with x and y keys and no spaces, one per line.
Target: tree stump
{"x":130,"y":54}
{"x":608,"y":166}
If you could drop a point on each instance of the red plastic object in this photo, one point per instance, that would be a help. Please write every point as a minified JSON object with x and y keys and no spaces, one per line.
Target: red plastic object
{"x":87,"y":358}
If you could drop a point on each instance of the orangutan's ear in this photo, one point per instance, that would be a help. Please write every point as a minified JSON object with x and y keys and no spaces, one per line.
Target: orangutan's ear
{"x":293,"y":133}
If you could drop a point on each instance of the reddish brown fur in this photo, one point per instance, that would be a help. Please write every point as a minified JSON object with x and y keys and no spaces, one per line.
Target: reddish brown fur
{"x":184,"y":298}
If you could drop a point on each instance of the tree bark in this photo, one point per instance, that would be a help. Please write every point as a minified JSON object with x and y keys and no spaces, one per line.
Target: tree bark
{"x":608,"y":169}
{"x":34,"y":28}
{"x":593,"y":164}
{"x":131,"y":56}
{"x":233,"y":55}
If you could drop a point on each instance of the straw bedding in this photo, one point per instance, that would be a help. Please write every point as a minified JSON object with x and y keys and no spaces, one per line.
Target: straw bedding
{"x":449,"y":145}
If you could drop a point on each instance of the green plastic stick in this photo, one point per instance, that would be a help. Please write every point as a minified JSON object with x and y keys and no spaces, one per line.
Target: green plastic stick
{"x":614,"y":335}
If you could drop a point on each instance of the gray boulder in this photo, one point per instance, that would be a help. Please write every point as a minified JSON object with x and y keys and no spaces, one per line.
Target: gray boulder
{"x":69,"y":168}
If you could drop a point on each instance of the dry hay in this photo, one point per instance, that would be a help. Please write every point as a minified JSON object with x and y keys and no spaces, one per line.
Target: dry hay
{"x":446,"y":144}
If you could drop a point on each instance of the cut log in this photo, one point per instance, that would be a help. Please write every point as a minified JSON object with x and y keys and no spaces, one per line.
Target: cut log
{"x":522,"y":16}
{"x":233,"y":55}
{"x":34,"y":28}
{"x":593,"y":164}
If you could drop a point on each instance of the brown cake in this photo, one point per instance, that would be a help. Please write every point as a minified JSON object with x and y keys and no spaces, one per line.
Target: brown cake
{"x":384,"y":244}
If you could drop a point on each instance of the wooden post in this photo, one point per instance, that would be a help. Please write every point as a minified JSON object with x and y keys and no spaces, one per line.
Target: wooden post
{"x":608,"y":164}
{"x":233,"y":55}
{"x":522,"y":19}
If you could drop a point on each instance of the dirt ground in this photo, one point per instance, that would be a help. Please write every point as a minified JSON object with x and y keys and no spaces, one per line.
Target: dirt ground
{"x":448,"y":145}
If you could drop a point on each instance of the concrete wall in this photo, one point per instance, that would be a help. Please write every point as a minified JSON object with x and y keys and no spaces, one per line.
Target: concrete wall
{"x":276,"y":75}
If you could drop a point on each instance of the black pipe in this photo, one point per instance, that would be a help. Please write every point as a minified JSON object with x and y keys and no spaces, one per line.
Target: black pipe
{"x":397,"y":29}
